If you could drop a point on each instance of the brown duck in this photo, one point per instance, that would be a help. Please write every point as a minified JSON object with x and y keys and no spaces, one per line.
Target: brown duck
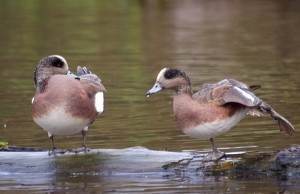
{"x":215,"y":109}
{"x":64,"y":103}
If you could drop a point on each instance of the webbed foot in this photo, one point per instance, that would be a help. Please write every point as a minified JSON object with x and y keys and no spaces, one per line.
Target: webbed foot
{"x":214,"y":156}
{"x":81,"y":149}
{"x":56,"y":151}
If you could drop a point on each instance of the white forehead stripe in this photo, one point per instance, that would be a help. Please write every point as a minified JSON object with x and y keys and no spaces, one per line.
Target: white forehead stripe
{"x":161,"y":73}
{"x":99,"y":102}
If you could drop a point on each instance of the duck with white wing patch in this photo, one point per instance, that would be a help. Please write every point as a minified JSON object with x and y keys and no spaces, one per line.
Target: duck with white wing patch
{"x":64,"y":103}
{"x":215,"y":109}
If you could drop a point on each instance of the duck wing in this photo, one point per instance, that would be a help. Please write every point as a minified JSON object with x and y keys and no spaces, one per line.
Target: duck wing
{"x":227,"y":91}
{"x":86,"y":77}
{"x":233,"y":91}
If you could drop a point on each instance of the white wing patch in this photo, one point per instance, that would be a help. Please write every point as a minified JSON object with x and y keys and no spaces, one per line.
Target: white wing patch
{"x":32,"y":100}
{"x":99,"y":102}
{"x":245,"y":94}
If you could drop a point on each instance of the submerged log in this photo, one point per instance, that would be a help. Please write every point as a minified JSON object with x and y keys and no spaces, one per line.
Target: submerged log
{"x":285,"y":162}
{"x":96,"y":161}
{"x":138,"y":160}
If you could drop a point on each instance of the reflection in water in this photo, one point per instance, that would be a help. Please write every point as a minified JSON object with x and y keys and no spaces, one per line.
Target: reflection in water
{"x":126,"y":44}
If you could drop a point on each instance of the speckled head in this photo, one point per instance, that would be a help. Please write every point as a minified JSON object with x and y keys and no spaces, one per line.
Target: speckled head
{"x":170,"y":78}
{"x":48,"y":66}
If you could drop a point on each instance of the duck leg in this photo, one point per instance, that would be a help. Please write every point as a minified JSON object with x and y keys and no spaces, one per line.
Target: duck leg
{"x":215,"y":155}
{"x":54,"y":151}
{"x":284,"y":124}
{"x":83,"y":138}
{"x":83,"y":148}
{"x":52,"y":142}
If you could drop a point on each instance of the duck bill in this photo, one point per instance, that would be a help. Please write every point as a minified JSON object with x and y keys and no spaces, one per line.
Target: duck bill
{"x":156,"y":88}
{"x":102,"y":87}
{"x":72,"y":75}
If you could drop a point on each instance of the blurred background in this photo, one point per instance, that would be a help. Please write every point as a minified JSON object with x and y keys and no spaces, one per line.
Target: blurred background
{"x":126,"y":43}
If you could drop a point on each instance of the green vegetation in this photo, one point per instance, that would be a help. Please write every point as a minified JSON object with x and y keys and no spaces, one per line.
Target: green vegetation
{"x":3,"y":144}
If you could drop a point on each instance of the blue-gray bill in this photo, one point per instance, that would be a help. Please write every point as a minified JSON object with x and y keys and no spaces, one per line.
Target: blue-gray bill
{"x":154,"y":89}
{"x":72,"y":75}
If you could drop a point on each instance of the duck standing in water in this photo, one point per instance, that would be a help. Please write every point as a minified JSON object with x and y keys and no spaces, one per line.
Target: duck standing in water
{"x":215,"y":109}
{"x":64,"y":103}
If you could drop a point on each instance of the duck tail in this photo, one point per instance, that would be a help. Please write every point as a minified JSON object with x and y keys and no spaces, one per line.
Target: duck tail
{"x":83,"y":71}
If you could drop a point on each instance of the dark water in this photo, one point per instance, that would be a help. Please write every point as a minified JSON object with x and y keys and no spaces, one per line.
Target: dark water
{"x":127,"y":43}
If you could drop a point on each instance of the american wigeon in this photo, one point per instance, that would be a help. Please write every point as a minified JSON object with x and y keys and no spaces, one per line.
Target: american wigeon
{"x":64,"y":103}
{"x":215,"y":109}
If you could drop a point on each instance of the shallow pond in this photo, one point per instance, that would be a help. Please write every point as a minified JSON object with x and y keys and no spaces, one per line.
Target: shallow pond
{"x":127,"y":43}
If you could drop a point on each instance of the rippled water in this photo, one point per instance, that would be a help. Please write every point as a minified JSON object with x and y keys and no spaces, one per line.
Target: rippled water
{"x":127,"y":43}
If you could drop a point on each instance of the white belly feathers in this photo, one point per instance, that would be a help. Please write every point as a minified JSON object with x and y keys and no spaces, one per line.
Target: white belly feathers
{"x":215,"y":128}
{"x":58,"y":122}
